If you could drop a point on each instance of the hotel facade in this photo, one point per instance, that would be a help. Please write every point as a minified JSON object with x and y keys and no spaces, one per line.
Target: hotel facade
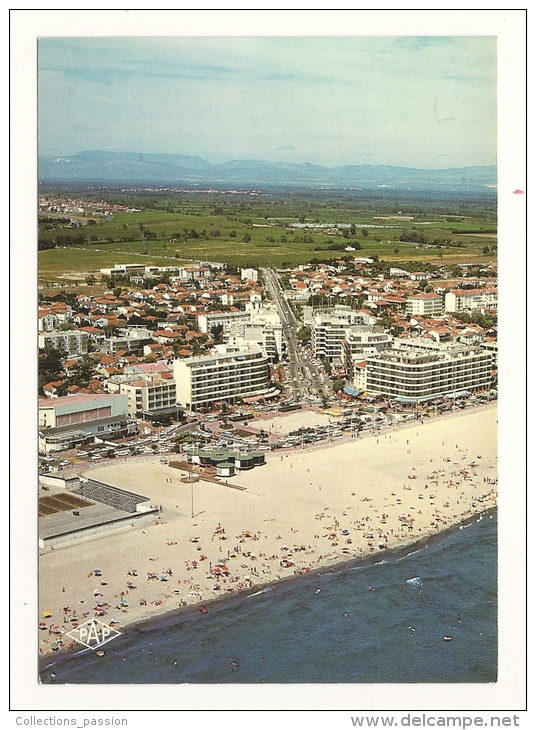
{"x":463,"y":300}
{"x":410,"y":375}
{"x":229,"y":373}
{"x":146,"y":399}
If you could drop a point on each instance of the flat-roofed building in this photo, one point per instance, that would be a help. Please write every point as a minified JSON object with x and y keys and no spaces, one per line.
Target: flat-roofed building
{"x":492,"y":347}
{"x":249,"y":274}
{"x":460,"y":300}
{"x":228,"y":373}
{"x":328,"y":329}
{"x":131,"y":339}
{"x":359,"y":342}
{"x":256,"y":324}
{"x":268,"y":339}
{"x":71,"y":409}
{"x":75,"y":419}
{"x":150,"y":398}
{"x":124,"y":269}
{"x":426,"y":304}
{"x":410,"y":375}
{"x":208,"y":321}
{"x":68,"y":342}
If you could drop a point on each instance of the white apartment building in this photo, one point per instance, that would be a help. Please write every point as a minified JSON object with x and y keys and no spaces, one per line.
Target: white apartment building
{"x":399,"y":273}
{"x":426,"y":304}
{"x":249,"y":274}
{"x":228,"y":373}
{"x":208,"y":321}
{"x":331,"y":327}
{"x":492,"y":347}
{"x":68,"y":342}
{"x":48,"y":321}
{"x":413,"y":376}
{"x":266,"y":329}
{"x":359,"y":369}
{"x":256,"y":324}
{"x":460,"y":300}
{"x":359,"y":342}
{"x":149,"y":398}
{"x":270,"y":340}
{"x":131,"y":339}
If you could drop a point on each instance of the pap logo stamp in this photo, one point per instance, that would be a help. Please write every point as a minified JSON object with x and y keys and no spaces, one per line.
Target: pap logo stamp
{"x":93,"y":634}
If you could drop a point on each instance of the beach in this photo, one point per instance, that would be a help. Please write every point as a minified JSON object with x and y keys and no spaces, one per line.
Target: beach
{"x":303,"y":511}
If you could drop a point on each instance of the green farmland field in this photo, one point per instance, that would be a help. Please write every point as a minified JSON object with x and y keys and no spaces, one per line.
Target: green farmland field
{"x":265,"y":233}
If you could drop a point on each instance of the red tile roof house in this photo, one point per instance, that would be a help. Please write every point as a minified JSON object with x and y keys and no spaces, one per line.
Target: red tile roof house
{"x":110,"y":371}
{"x":105,"y":360}
{"x":440,"y":334}
{"x":51,"y":389}
{"x":153,"y":348}
{"x":129,"y":359}
{"x":95,"y":334}
{"x":167,"y":336}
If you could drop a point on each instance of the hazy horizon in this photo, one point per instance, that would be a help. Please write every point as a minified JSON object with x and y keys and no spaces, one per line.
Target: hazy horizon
{"x":407,"y":101}
{"x":236,"y":159}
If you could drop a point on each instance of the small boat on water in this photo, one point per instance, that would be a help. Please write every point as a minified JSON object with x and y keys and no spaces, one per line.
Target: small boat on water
{"x":447,"y":638}
{"x":203,"y":609}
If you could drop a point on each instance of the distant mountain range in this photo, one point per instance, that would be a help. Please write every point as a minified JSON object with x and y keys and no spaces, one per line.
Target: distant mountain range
{"x":125,"y":168}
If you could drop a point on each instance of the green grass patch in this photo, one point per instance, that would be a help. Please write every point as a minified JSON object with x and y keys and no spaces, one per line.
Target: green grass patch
{"x":258,"y":232}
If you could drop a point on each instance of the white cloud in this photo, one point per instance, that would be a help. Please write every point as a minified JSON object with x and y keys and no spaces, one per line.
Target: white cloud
{"x":405,"y":100}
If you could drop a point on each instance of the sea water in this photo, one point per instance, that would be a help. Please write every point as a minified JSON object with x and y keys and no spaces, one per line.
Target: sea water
{"x":430,"y":616}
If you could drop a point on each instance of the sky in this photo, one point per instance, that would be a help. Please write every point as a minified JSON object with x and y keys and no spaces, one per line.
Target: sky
{"x":426,"y":102}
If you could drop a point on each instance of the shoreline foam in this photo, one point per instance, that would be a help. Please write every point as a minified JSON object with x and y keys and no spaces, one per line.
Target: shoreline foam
{"x":169,"y":618}
{"x":287,"y":510}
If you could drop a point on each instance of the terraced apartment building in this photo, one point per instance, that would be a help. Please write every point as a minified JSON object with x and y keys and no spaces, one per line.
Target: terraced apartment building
{"x":229,"y":373}
{"x":412,"y":375}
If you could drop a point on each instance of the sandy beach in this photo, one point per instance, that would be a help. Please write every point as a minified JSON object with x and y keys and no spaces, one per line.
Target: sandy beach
{"x":299,"y":512}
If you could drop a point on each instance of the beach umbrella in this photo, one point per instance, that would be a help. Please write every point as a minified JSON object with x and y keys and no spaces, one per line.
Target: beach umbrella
{"x":47,"y":614}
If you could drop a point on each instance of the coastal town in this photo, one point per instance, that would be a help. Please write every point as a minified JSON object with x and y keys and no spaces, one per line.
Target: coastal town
{"x":180,"y":393}
{"x":272,"y":409}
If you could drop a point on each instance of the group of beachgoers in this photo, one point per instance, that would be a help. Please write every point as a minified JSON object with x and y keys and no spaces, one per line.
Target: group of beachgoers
{"x":313,"y":517}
